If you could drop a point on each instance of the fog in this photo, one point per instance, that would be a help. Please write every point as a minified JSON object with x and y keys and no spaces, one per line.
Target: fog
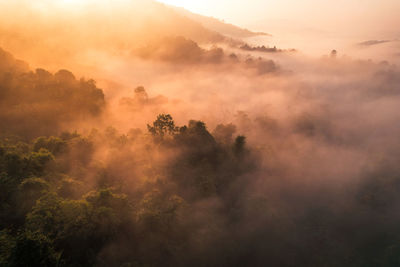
{"x":311,"y":26}
{"x":182,"y":146}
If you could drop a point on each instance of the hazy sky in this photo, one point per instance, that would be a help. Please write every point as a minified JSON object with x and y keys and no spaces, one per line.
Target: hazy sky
{"x":378,"y":17}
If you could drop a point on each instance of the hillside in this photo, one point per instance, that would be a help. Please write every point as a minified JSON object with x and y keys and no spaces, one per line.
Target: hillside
{"x":104,"y":27}
{"x":219,"y":26}
{"x":39,"y":102}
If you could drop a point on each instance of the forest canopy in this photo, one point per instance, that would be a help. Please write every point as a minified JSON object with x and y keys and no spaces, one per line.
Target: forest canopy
{"x":182,"y":146}
{"x":38,"y":102}
{"x":61,"y":207}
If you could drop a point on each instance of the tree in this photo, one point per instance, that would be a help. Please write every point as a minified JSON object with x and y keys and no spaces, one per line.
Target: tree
{"x":334,"y":54}
{"x":38,"y":161}
{"x":224,"y":133}
{"x":140,"y":95}
{"x":53,"y":144}
{"x":162,"y":126}
{"x":30,"y":249}
{"x":239,"y":146}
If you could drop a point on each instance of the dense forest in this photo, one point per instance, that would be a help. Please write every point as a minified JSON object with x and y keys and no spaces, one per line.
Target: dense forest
{"x":61,"y":207}
{"x":169,"y":195}
{"x":66,"y":202}
{"x":42,"y":102}
{"x":136,"y":134}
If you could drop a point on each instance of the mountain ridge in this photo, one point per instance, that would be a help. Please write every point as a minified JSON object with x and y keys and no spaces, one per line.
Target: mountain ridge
{"x":217,"y":25}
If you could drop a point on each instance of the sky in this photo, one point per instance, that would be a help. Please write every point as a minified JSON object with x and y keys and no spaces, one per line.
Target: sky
{"x":371,"y":18}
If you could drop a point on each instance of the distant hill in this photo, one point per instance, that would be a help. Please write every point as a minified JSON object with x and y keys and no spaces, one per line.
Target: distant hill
{"x":219,"y":26}
{"x":34,"y":103}
{"x":373,"y":42}
{"x":66,"y":34}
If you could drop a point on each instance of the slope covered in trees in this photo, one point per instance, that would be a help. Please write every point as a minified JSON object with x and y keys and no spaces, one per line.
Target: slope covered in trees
{"x":39,"y":102}
{"x":219,"y":26}
{"x":109,"y":27}
{"x":296,"y":168}
{"x":61,"y":206}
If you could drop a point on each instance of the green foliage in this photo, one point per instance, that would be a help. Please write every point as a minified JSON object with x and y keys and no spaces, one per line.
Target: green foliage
{"x":41,"y":102}
{"x":53,"y":144}
{"x":80,"y":228}
{"x":80,"y":150}
{"x":9,"y":213}
{"x":43,"y":200}
{"x":27,"y":249}
{"x":32,"y":185}
{"x":8,"y":186}
{"x":67,"y":223}
{"x":21,"y":164}
{"x":159,"y":212}
{"x":7,"y":243}
{"x":15,"y":164}
{"x":70,"y":188}
{"x":110,"y":211}
{"x":29,"y":191}
{"x":162,"y":126}
{"x":61,"y":206}
{"x":39,"y":160}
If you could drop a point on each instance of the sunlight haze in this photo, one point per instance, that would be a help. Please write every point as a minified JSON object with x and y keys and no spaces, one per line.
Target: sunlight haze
{"x":379,"y":15}
{"x":199,"y":133}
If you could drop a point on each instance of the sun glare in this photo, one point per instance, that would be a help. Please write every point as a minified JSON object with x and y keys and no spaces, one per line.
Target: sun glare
{"x":194,"y":6}
{"x":71,"y":1}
